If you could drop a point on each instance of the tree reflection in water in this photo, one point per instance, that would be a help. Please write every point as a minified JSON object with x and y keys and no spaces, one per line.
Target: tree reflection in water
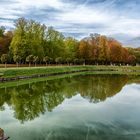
{"x":30,"y":100}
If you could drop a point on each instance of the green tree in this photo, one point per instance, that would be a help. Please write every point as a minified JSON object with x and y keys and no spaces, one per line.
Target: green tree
{"x":19,"y":45}
{"x":54,"y":46}
{"x":76,"y":61}
{"x":68,"y":60}
{"x":17,"y":59}
{"x":35,"y":60}
{"x":4,"y":59}
{"x":30,"y":59}
{"x":58,"y":60}
{"x":71,"y":48}
{"x":46,"y":60}
{"x":29,"y":38}
{"x":50,"y":60}
{"x":36,"y":34}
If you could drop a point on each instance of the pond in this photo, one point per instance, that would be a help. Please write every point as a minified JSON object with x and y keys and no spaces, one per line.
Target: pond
{"x":74,"y":108}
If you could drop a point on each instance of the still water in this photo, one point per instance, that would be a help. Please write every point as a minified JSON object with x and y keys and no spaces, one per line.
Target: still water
{"x":78,"y":108}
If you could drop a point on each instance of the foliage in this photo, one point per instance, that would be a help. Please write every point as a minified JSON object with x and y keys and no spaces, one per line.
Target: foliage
{"x":35,"y":59}
{"x":33,"y":38}
{"x":71,"y":48}
{"x":54,"y":46}
{"x":103,"y":50}
{"x":30,"y":59}
{"x":4,"y":58}
{"x":5,"y":40}
{"x":68,"y":60}
{"x":46,"y":59}
{"x":136,"y":53}
{"x":17,"y":58}
{"x":58,"y":60}
{"x":28,"y":38}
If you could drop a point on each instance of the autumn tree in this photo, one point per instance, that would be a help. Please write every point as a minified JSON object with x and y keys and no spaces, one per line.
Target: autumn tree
{"x":5,"y":40}
{"x":132,"y":59}
{"x":94,"y":43}
{"x":136,"y":53}
{"x":31,"y":38}
{"x":124,"y":56}
{"x":103,"y":50}
{"x":115,"y":51}
{"x":84,"y":50}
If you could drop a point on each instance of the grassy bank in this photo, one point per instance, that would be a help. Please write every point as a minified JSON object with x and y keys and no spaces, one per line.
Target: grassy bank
{"x":34,"y":80}
{"x":25,"y":73}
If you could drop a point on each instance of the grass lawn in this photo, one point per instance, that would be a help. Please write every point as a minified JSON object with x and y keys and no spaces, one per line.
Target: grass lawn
{"x":54,"y":70}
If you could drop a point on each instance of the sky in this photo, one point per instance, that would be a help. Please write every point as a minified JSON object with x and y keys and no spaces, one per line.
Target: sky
{"x":117,"y":18}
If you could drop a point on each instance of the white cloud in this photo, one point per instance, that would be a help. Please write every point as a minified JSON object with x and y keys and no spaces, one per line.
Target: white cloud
{"x":40,"y":3}
{"x":106,"y":18}
{"x":126,"y":26}
{"x":84,"y":15}
{"x":6,"y":23}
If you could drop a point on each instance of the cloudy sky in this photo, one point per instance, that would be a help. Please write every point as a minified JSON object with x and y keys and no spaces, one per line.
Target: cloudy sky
{"x":79,"y":18}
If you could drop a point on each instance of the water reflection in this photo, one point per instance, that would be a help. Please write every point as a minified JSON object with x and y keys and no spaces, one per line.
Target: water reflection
{"x":78,"y":108}
{"x":31,"y":100}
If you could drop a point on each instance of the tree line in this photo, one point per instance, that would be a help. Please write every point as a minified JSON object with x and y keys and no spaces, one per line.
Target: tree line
{"x":33,"y":42}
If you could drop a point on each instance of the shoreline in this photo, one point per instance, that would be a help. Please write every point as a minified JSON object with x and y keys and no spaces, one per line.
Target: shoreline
{"x":15,"y":74}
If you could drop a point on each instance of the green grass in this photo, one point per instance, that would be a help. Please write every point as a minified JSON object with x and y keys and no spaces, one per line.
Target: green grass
{"x":13,"y":72}
{"x":33,"y":80}
{"x":26,"y":71}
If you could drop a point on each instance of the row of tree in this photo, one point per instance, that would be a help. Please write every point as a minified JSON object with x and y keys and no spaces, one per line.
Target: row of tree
{"x":101,"y":49}
{"x":33,"y":42}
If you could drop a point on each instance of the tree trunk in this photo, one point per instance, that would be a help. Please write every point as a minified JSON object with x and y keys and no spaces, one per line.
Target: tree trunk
{"x":17,"y":64}
{"x":84,"y":63}
{"x":5,"y":65}
{"x":68,"y":63}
